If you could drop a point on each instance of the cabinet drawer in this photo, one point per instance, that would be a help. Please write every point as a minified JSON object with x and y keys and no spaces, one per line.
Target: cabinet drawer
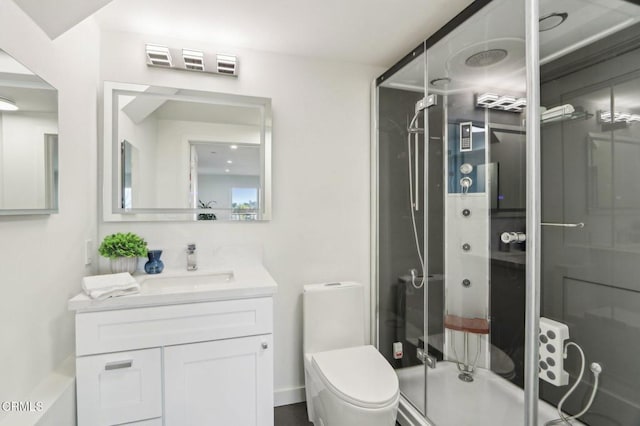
{"x":109,"y":331}
{"x":119,"y":388}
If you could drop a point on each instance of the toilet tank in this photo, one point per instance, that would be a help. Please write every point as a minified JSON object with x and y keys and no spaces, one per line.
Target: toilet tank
{"x":333,"y":316}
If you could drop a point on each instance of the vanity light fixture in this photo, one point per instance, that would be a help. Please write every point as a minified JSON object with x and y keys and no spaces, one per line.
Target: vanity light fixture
{"x":158,"y":55}
{"x":8,"y":105}
{"x":502,"y":103}
{"x":193,"y":59}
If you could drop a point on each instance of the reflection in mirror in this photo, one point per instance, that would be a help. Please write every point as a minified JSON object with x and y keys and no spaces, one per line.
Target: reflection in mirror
{"x":128,"y":152}
{"x":28,"y":141}
{"x":185,"y":155}
{"x":508,"y":156}
{"x":226,"y":179}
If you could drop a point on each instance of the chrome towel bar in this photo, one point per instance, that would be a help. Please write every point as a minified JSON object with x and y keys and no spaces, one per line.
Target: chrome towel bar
{"x":564,"y":225}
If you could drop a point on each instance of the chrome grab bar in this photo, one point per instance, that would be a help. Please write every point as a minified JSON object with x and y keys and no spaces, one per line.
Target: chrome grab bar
{"x":564,"y":225}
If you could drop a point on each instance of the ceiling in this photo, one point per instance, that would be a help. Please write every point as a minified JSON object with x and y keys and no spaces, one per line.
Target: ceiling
{"x":500,"y":25}
{"x":56,"y":17}
{"x":375,"y":32}
{"x":29,"y":92}
{"x":220,"y":158}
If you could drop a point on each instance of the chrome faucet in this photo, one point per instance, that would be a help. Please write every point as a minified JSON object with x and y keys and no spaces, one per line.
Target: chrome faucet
{"x":192,"y":258}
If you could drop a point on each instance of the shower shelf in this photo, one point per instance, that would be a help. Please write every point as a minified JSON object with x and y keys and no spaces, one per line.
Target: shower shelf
{"x":467,"y":325}
{"x":577,"y":115}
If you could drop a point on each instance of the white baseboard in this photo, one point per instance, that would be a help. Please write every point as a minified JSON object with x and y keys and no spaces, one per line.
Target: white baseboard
{"x":288,"y":396}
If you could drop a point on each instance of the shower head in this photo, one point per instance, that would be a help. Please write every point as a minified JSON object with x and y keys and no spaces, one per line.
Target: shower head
{"x":486,"y":58}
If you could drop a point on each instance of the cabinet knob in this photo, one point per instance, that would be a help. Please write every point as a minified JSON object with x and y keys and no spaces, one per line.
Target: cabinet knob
{"x":265,"y":345}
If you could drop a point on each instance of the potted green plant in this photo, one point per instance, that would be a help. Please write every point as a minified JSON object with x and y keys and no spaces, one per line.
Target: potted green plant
{"x":123,"y":250}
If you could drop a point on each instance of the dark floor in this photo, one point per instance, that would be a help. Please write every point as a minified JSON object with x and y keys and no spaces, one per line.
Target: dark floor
{"x":291,"y":415}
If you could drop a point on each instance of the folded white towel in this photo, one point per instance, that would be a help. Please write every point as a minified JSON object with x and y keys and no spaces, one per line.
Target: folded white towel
{"x":110,"y":285}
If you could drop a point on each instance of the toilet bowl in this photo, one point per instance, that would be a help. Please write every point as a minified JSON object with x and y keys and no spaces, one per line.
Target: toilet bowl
{"x":347,"y":382}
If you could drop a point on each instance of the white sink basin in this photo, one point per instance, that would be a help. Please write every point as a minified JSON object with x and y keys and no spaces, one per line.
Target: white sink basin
{"x":183,"y":282}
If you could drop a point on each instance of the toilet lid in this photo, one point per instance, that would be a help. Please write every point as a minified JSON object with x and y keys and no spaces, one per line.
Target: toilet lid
{"x":359,"y":375}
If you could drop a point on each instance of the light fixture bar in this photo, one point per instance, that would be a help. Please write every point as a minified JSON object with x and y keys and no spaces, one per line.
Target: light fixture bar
{"x":501,"y":103}
{"x":619,"y":117}
{"x":192,"y":60}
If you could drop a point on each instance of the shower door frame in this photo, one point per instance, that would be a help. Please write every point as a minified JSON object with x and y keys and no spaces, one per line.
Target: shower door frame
{"x":533,"y":197}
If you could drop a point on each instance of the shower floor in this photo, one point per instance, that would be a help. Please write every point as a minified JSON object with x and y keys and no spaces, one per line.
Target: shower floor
{"x":487,"y":401}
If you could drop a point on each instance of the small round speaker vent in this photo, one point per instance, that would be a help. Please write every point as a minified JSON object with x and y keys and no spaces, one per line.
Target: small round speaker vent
{"x":486,"y":58}
{"x":552,"y":20}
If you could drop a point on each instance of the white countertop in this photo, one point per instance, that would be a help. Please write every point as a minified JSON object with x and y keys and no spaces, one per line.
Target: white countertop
{"x":248,"y":281}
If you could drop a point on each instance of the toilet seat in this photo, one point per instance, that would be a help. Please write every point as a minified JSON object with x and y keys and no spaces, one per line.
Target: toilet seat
{"x":359,"y":375}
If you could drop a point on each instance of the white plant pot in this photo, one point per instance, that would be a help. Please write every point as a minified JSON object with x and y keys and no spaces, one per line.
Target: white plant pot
{"x":124,"y":264}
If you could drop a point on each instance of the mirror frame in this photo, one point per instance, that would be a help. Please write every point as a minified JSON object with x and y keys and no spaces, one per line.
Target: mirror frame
{"x":110,"y":154}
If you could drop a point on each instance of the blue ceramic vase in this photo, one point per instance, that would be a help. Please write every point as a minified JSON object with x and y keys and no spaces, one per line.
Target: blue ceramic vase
{"x":154,"y":265}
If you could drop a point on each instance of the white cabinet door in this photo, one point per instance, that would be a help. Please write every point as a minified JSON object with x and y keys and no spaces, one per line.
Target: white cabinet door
{"x":224,"y":382}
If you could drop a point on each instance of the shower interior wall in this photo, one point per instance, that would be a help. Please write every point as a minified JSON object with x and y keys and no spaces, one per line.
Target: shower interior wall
{"x":401,"y":309}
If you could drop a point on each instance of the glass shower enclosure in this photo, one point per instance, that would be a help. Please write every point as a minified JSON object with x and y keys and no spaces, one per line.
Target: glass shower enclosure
{"x":452,"y":205}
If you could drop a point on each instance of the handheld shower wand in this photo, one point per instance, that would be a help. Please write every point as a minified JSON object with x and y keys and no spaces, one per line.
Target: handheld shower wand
{"x":420,"y":106}
{"x":596,"y":369}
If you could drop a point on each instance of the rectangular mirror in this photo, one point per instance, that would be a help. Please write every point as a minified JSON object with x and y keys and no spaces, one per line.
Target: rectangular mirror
{"x":28,"y":141}
{"x":178,"y":154}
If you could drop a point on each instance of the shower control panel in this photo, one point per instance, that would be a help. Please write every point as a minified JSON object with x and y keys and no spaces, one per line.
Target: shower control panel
{"x":551,"y":340}
{"x":466,"y":154}
{"x":466,"y":141}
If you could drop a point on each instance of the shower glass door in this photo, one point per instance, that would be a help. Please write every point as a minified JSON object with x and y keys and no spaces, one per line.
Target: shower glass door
{"x":590,"y":150}
{"x":400,"y":225}
{"x":476,"y":224}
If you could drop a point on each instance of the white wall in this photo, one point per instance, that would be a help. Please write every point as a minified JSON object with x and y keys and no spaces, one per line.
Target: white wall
{"x":320,"y":226}
{"x":41,"y":258}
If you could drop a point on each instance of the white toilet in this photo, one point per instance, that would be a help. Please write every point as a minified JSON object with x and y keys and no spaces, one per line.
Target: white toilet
{"x":347,"y":382}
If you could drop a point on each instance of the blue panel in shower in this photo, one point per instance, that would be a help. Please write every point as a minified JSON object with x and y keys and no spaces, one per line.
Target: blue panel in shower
{"x":475,"y":157}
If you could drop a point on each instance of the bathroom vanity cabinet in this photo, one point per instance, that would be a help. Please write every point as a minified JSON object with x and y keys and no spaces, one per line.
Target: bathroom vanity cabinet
{"x":201,"y":363}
